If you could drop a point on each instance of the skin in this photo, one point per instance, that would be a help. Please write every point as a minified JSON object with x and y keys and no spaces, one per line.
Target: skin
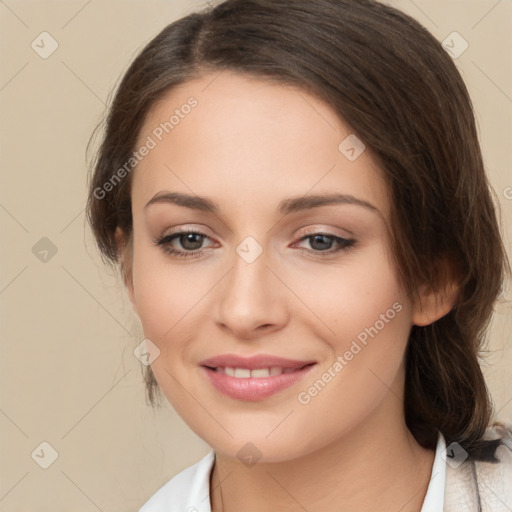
{"x":248,"y":145}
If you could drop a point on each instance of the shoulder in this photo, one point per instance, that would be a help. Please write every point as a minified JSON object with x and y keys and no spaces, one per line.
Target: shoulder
{"x":188,"y":491}
{"x":484,"y":483}
{"x":502,"y":433}
{"x":503,"y":452}
{"x":495,"y":479}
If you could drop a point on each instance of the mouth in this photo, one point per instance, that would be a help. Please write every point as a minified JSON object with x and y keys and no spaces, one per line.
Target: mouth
{"x":253,"y":380}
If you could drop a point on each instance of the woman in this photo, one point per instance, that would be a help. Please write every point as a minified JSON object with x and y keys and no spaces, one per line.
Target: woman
{"x":295,"y":195}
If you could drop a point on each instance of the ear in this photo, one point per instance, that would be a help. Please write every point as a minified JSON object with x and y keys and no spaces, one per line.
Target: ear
{"x":125,"y":248}
{"x":434,"y":304}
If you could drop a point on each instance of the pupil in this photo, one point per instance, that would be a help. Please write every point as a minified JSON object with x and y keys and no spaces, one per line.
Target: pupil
{"x":189,"y":238}
{"x":319,"y":238}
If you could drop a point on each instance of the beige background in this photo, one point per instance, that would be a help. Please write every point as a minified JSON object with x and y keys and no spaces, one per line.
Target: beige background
{"x":68,"y":373}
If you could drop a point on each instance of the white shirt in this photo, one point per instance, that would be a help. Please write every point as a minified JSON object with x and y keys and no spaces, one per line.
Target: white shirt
{"x":189,"y":491}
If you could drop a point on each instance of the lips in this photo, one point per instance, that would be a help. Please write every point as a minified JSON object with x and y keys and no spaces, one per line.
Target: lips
{"x":253,"y":378}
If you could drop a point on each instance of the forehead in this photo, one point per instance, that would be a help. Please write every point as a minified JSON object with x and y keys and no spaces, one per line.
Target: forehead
{"x":252,"y":141}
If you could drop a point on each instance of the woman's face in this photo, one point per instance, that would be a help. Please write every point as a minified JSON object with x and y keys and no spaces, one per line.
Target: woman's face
{"x":256,"y":281}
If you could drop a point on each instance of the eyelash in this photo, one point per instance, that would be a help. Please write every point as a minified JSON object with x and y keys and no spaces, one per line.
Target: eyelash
{"x":164,"y":243}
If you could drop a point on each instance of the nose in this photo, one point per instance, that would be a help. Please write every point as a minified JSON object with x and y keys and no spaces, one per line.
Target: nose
{"x":251,"y":299}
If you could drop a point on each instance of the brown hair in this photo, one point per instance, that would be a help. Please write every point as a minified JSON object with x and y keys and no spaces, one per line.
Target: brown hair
{"x":392,"y":82}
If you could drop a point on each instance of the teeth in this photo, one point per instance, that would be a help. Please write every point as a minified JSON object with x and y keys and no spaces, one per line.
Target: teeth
{"x":260,"y":372}
{"x":245,"y":373}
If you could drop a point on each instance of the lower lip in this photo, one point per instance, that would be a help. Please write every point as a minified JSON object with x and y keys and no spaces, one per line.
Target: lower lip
{"x":254,"y":388}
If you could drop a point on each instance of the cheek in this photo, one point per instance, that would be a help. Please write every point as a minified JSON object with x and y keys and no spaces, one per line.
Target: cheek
{"x":369,"y":320}
{"x":166,"y":293}
{"x":353,"y":295}
{"x":167,"y":298}
{"x":170,"y":298}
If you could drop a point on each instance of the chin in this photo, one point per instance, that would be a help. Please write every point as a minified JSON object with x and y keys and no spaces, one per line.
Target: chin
{"x":251,"y":449}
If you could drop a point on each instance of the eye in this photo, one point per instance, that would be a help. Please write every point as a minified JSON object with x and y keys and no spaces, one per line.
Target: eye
{"x":323,"y":243}
{"x":190,"y":241}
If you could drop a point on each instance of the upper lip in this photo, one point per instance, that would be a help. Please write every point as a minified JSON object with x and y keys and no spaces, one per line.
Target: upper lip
{"x":253,"y":362}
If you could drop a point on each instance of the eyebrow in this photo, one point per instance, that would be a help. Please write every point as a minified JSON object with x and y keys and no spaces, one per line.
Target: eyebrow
{"x":293,"y":204}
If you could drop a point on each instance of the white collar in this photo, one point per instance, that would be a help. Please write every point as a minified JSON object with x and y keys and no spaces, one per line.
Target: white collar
{"x":434,"y":499}
{"x":189,"y":491}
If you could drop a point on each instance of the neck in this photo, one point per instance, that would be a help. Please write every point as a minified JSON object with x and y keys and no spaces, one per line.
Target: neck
{"x":377,"y":466}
